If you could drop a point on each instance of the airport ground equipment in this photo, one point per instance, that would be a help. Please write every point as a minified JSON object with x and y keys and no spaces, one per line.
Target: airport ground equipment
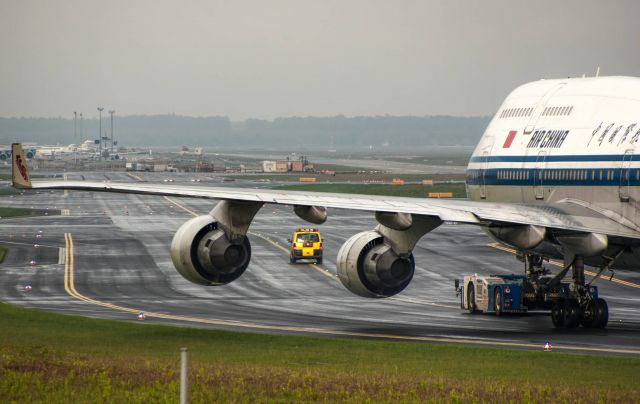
{"x":306,"y":243}
{"x":570,"y":304}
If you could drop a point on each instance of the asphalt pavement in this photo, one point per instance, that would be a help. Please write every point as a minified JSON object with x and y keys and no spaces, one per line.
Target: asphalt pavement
{"x":107,"y":255}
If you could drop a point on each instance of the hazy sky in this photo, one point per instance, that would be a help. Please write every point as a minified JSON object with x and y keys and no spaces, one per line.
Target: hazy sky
{"x":266,"y":59}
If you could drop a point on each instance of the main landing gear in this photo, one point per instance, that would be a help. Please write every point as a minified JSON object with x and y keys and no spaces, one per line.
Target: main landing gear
{"x":581,"y":305}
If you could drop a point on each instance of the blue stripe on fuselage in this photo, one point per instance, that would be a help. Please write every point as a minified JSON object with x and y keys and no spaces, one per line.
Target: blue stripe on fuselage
{"x":554,"y":177}
{"x":552,"y":158}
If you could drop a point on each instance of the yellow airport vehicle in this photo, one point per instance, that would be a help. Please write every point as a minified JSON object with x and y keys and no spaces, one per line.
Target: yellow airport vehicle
{"x":306,"y":243}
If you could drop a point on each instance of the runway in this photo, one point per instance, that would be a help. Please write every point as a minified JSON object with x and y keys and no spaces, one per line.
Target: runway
{"x":107,"y":255}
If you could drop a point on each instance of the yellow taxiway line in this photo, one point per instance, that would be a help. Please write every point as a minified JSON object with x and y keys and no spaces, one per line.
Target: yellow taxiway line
{"x":135,"y":177}
{"x":559,"y":264}
{"x":71,"y":290}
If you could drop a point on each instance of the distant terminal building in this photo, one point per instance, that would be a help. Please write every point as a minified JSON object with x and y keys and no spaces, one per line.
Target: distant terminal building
{"x":283,"y":166}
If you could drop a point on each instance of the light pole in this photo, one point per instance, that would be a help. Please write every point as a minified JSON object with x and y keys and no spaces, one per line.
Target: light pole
{"x":111,"y":113}
{"x":75,"y":134}
{"x":100,"y":109}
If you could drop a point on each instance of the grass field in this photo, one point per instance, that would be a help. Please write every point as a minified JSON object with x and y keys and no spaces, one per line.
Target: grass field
{"x":56,"y":358}
{"x":410,"y":190}
{"x":15,"y":212}
{"x":348,"y":177}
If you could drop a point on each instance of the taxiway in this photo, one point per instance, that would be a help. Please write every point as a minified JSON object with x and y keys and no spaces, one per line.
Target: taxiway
{"x":107,"y":255}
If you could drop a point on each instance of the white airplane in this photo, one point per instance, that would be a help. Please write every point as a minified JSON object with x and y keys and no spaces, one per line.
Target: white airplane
{"x":554,"y":176}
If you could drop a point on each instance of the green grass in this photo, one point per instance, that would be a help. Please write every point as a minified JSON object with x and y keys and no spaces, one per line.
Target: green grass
{"x":410,"y":190}
{"x":56,"y":358}
{"x":15,"y":212}
{"x":3,"y":252}
{"x":347,"y":177}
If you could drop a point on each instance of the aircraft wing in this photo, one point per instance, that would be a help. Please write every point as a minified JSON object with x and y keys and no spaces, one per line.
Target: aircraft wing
{"x":569,"y":215}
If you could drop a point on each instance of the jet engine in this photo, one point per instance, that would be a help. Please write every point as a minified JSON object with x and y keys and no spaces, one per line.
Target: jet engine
{"x":202,"y":253}
{"x":368,"y":267}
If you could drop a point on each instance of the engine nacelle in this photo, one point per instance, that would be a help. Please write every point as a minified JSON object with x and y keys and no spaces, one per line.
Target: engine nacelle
{"x":202,"y":253}
{"x":368,"y":267}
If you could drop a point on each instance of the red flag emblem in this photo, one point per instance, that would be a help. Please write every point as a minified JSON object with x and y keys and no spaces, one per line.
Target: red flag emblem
{"x":509,"y":140}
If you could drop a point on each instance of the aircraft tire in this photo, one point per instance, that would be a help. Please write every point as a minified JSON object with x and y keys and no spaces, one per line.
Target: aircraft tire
{"x":572,"y":313}
{"x":557,"y":314}
{"x":601,"y":313}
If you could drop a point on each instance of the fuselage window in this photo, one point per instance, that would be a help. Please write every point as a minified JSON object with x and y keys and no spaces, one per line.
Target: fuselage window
{"x":570,"y":109}
{"x":593,"y":175}
{"x":600,"y":175}
{"x":544,"y":113}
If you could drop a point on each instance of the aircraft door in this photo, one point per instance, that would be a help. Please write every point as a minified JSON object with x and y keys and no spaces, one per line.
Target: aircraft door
{"x":625,"y":175}
{"x":539,"y":108}
{"x":538,"y":175}
{"x":485,"y":165}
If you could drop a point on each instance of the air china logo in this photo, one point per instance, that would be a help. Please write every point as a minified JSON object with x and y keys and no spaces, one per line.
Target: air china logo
{"x":22,"y":168}
{"x":509,"y":140}
{"x":550,"y":139}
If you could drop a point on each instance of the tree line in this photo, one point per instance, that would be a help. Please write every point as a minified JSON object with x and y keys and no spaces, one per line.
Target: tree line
{"x":219,"y":131}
